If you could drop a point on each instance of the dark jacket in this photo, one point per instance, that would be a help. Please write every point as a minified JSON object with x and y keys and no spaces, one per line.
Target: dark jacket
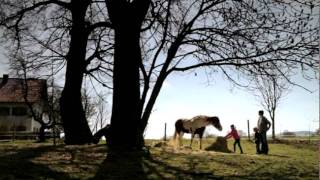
{"x":257,"y":137}
{"x":263,"y":124}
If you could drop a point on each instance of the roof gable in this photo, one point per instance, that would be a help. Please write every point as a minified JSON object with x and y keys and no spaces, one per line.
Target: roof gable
{"x":14,"y":90}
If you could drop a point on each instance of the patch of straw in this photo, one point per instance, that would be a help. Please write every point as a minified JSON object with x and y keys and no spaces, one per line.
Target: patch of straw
{"x":220,"y":145}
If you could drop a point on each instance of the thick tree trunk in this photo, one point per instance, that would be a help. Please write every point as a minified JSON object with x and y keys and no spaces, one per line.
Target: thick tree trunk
{"x":126,"y":133}
{"x":75,"y":124}
{"x":126,"y":130}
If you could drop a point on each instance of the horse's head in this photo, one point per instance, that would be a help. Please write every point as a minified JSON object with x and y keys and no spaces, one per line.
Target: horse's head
{"x":215,"y":122}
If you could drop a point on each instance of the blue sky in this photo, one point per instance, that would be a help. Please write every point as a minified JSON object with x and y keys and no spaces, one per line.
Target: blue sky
{"x":186,"y":95}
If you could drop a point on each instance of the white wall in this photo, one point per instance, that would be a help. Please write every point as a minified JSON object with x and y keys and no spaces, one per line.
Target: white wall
{"x":7,"y":123}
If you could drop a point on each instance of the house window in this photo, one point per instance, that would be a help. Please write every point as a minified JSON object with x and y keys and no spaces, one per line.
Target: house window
{"x":19,"y":111}
{"x":4,"y":111}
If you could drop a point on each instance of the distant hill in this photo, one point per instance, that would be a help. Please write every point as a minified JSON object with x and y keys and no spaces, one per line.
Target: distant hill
{"x":304,"y":133}
{"x":301,"y":133}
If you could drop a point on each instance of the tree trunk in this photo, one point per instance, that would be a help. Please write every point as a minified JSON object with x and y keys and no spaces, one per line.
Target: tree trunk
{"x":160,"y":80}
{"x":273,"y":126}
{"x":41,"y":136}
{"x":152,"y":100}
{"x":126,"y":133}
{"x":75,"y":124}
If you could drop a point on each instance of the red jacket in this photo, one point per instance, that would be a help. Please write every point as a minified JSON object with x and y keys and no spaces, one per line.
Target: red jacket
{"x":233,"y":134}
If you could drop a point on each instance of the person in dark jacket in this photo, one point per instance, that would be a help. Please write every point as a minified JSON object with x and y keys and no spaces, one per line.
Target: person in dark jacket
{"x":257,"y":139}
{"x":263,"y":126}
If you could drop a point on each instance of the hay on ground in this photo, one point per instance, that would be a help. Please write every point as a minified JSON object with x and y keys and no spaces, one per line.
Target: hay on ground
{"x":220,"y":145}
{"x":160,"y":144}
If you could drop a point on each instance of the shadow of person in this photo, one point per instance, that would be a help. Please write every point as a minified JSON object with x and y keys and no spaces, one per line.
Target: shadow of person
{"x":122,"y":165}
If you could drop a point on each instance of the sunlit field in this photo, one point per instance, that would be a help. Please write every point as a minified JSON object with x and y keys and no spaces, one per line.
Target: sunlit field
{"x":294,"y":159}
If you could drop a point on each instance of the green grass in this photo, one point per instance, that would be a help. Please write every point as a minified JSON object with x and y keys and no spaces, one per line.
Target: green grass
{"x":28,"y":160}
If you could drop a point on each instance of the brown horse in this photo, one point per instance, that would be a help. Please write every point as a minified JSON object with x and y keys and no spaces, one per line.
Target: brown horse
{"x":195,"y":125}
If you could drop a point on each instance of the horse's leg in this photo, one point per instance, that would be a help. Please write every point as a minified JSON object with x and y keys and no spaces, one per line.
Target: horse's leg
{"x":175,"y":138}
{"x":192,"y":136}
{"x":175,"y":134}
{"x":180,"y":139}
{"x":200,"y":138}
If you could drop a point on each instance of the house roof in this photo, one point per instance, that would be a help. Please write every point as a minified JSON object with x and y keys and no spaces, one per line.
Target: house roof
{"x":14,"y":89}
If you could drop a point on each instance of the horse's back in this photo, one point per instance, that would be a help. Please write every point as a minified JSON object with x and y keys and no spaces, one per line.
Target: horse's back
{"x":180,"y":122}
{"x":199,"y":118}
{"x":199,"y":121}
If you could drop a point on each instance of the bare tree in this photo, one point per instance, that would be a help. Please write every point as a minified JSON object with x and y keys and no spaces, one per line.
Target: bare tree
{"x":270,"y":90}
{"x":94,"y":104}
{"x":156,"y":38}
{"x":101,"y":114}
{"x":238,"y":38}
{"x":64,"y":33}
{"x":46,"y":112}
{"x":89,"y":105}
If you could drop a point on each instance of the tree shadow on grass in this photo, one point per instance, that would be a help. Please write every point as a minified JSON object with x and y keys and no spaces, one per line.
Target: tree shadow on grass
{"x":18,"y":164}
{"x":122,"y":165}
{"x":137,"y":165}
{"x":170,"y":165}
{"x":190,"y":171}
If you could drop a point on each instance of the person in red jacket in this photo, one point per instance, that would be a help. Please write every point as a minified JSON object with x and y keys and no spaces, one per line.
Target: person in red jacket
{"x":236,"y":137}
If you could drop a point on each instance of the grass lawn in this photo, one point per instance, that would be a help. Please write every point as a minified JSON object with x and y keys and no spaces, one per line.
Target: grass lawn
{"x":28,"y":160}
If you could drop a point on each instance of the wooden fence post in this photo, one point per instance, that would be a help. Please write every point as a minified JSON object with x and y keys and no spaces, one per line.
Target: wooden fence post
{"x":165,"y":131}
{"x":248,"y":130}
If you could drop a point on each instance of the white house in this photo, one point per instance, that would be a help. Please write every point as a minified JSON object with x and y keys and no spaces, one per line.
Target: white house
{"x":14,"y":113}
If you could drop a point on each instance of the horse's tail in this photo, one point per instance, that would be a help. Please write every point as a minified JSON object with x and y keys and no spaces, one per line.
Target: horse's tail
{"x":177,"y":131}
{"x":174,"y":140}
{"x":176,"y":128}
